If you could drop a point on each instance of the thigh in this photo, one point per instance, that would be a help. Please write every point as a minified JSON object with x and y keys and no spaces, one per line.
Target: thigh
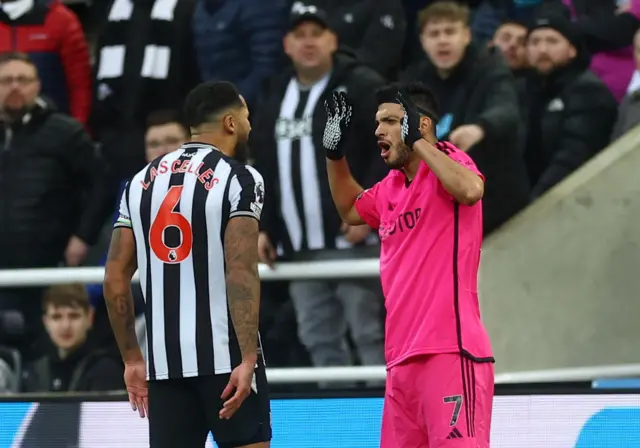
{"x":484,"y":390}
{"x":175,"y":415}
{"x":400,"y":424}
{"x":449,"y":405}
{"x":252,"y":421}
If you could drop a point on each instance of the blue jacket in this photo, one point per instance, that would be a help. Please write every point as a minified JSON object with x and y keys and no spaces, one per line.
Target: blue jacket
{"x":239,"y":41}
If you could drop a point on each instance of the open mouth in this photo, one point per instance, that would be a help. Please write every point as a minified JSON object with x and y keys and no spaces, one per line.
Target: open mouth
{"x":384,"y":149}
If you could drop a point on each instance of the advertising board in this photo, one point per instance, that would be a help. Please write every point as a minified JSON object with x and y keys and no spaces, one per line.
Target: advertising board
{"x":519,"y":421}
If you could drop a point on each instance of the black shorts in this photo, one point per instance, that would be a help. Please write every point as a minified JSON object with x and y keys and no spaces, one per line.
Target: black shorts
{"x":183,"y":411}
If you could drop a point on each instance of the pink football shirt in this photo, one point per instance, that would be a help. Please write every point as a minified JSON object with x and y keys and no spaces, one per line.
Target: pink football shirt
{"x":429,"y":259}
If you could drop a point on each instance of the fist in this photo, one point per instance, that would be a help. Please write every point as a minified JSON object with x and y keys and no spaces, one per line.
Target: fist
{"x":466,"y":136}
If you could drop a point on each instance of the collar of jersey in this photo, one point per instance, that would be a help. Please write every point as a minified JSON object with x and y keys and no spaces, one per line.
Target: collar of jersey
{"x":199,"y":145}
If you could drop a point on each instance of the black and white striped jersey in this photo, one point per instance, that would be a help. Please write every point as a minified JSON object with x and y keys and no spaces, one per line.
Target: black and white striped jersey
{"x":178,"y":207}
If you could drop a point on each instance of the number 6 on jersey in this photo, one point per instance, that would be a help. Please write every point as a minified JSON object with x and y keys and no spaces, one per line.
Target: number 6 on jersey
{"x":168,"y":217}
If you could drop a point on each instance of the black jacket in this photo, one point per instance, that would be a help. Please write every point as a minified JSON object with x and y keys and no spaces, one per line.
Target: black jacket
{"x":596,"y":20}
{"x":85,"y":370}
{"x":481,"y":91}
{"x":364,"y":158}
{"x":51,"y":187}
{"x":375,"y":29}
{"x":572,"y":113}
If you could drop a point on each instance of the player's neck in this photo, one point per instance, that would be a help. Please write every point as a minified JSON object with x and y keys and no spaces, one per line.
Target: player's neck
{"x":411,"y":167}
{"x":223,"y":144}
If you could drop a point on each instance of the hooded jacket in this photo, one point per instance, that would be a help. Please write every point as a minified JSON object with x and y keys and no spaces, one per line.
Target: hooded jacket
{"x":481,"y":91}
{"x":571,"y":117}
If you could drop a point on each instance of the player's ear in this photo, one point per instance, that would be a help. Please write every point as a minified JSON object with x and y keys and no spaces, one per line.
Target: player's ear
{"x":229,"y":123}
{"x":426,"y":125}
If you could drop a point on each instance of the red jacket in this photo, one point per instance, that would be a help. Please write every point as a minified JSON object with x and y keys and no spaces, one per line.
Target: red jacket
{"x":52,"y":36}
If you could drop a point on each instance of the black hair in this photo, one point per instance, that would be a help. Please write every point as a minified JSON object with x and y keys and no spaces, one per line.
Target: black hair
{"x":207,"y":100}
{"x":421,"y":96}
{"x":513,"y":21}
{"x":165,"y":116}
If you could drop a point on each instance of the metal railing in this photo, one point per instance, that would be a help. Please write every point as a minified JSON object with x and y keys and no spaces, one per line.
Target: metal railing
{"x":363,"y":268}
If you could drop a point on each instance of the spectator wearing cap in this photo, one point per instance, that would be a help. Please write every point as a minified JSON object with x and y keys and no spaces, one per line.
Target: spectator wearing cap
{"x":478,"y":105}
{"x":51,"y":34}
{"x":239,"y":41}
{"x":286,"y":142}
{"x":607,"y":28}
{"x":374,"y":29}
{"x":571,"y":111}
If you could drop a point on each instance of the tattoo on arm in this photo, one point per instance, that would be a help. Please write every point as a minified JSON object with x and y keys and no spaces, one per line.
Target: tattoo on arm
{"x":120,"y":267}
{"x":243,"y":282}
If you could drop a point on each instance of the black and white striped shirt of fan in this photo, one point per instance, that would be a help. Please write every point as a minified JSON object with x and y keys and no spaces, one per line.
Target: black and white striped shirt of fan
{"x":178,"y":207}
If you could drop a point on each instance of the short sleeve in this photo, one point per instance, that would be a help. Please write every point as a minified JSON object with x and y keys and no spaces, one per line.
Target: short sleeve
{"x":246,"y":193}
{"x":367,"y":208}
{"x":466,"y":161}
{"x":124,"y":217}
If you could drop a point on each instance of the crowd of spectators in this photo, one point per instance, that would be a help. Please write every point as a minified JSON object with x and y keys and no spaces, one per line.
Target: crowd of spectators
{"x":530,"y":89}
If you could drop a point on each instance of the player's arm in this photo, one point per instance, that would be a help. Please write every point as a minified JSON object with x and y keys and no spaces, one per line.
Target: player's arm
{"x":463,"y":184}
{"x":119,"y":269}
{"x":344,"y":191}
{"x":243,"y":282}
{"x":246,"y":198}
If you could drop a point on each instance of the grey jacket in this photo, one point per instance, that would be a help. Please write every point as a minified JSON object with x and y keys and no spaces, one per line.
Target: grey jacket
{"x":628,"y":115}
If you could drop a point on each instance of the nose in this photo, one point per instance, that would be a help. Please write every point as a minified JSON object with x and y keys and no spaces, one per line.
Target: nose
{"x":379,"y":133}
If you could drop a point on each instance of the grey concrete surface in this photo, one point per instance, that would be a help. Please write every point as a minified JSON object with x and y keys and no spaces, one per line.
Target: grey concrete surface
{"x":560,"y":283}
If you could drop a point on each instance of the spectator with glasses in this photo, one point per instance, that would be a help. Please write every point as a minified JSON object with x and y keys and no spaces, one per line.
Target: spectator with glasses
{"x":53,"y":194}
{"x":51,"y":34}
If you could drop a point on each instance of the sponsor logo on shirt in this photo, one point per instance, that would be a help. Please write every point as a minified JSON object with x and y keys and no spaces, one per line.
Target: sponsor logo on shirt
{"x":404,"y":222}
{"x":293,"y":129}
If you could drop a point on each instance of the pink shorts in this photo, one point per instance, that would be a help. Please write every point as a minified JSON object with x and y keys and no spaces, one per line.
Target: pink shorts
{"x":435,"y":401}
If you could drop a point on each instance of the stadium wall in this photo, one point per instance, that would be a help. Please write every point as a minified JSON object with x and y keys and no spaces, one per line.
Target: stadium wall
{"x":559,"y":284}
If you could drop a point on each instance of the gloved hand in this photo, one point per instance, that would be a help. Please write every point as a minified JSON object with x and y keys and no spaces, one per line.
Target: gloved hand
{"x":411,"y":121}
{"x":339,"y":112}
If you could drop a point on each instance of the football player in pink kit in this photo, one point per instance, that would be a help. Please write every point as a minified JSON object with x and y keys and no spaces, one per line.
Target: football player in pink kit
{"x":428,"y":213}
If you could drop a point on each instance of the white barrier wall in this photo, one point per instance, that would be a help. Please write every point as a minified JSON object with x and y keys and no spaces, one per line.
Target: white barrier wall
{"x":560,"y":283}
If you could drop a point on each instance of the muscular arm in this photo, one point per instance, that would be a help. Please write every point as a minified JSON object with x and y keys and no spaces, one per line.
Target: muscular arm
{"x":243,"y":283}
{"x":463,"y":184}
{"x":120,"y":267}
{"x":344,"y":191}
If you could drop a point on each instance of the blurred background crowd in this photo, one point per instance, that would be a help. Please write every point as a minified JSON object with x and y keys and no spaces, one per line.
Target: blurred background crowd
{"x":91,"y":91}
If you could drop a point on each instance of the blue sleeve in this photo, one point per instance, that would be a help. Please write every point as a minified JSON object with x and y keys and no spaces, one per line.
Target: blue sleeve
{"x":264,"y":25}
